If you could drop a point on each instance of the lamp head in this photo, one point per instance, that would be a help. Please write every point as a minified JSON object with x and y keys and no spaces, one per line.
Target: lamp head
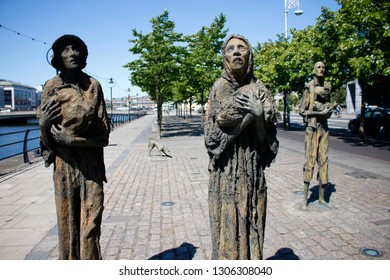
{"x":110,"y":82}
{"x":298,"y":12}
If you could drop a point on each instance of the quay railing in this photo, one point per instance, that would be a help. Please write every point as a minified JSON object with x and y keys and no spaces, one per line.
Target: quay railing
{"x":119,"y":119}
{"x":25,"y":142}
{"x":115,"y":121}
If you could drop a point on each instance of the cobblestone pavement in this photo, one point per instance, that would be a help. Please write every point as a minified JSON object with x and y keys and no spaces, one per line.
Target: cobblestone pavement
{"x":156,"y":206}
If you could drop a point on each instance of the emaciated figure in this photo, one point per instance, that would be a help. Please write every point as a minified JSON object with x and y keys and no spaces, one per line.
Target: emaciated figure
{"x":240,"y":138}
{"x":315,"y":108}
{"x":74,"y":129}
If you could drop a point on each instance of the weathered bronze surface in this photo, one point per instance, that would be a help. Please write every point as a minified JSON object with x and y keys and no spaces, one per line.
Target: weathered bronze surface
{"x":240,"y":138}
{"x":315,"y":108}
{"x":74,"y":129}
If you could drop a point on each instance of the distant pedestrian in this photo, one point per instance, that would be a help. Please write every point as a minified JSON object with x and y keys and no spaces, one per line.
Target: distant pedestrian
{"x":240,"y":137}
{"x":74,"y":129}
{"x":338,"y":111}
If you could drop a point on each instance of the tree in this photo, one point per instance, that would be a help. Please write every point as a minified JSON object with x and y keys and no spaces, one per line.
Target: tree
{"x":362,"y":51}
{"x":159,"y":60}
{"x":353,"y":42}
{"x":204,"y":61}
{"x":182,"y":89}
{"x":269,"y":65}
{"x":272,"y":69}
{"x":339,"y":96}
{"x":283,"y":66}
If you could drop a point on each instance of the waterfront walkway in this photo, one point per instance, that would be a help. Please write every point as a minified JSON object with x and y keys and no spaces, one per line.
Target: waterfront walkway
{"x":156,"y":207}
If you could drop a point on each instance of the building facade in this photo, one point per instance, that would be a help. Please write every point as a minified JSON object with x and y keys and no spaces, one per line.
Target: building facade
{"x":19,"y":97}
{"x":354,"y":97}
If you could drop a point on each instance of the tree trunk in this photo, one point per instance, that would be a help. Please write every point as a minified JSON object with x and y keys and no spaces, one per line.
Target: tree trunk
{"x":286,"y":111}
{"x":362,"y":85}
{"x":190,"y":108}
{"x":159,"y":117}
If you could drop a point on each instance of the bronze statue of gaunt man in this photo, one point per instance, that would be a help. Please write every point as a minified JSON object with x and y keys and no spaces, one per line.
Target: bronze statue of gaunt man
{"x":74,"y":129}
{"x":240,"y":138}
{"x":315,"y":108}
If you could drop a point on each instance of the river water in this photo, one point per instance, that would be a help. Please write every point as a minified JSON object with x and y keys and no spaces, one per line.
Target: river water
{"x":10,"y":150}
{"x":17,"y":148}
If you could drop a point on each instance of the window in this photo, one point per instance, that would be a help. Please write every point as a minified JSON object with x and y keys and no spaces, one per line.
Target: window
{"x":7,"y":97}
{"x":377,"y":114}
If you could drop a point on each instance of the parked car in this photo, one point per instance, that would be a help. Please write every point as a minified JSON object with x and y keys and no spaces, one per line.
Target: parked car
{"x":376,"y":121}
{"x":368,"y":108}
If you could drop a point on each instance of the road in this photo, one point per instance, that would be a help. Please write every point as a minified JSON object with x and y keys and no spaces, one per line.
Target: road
{"x":333,"y":123}
{"x":345,"y":147}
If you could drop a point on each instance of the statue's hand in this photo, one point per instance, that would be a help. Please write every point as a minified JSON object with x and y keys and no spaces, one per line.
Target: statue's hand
{"x":249,"y":104}
{"x":327,"y":112}
{"x":62,"y":136}
{"x":50,"y":112}
{"x":330,"y":112}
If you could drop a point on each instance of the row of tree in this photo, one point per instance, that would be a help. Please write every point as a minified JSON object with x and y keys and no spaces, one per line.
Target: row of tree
{"x":176,"y":67}
{"x":353,"y":42}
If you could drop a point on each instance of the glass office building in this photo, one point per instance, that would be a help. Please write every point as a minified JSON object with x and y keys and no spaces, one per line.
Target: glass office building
{"x":19,"y":97}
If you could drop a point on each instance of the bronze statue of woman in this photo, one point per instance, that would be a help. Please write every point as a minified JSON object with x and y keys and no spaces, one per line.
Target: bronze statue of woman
{"x":74,"y":129}
{"x":240,"y":138}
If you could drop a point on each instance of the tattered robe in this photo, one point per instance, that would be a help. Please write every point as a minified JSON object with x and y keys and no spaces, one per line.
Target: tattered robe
{"x":79,"y":172}
{"x":237,"y":185}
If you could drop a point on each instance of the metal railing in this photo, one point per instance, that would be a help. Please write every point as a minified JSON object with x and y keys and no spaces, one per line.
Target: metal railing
{"x":115,"y":121}
{"x":119,"y":119}
{"x":25,"y":141}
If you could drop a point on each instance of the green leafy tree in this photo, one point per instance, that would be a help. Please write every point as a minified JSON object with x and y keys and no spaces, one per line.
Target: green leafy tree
{"x":279,"y":65}
{"x":271,"y":69}
{"x":182,"y":89}
{"x":327,"y":37}
{"x":204,"y":61}
{"x":360,"y":43}
{"x":269,"y":64}
{"x":353,"y":42}
{"x":159,"y":58}
{"x":339,"y":96}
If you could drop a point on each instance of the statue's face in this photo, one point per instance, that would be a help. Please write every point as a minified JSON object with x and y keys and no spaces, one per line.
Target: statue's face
{"x":70,"y":57}
{"x":237,"y":54}
{"x":319,"y":69}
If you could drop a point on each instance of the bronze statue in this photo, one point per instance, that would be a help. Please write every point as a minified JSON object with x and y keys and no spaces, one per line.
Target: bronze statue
{"x":315,"y":108}
{"x":74,"y":129}
{"x":240,"y":138}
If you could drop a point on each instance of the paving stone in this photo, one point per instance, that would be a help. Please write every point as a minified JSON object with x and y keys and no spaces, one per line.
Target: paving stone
{"x":137,"y":226}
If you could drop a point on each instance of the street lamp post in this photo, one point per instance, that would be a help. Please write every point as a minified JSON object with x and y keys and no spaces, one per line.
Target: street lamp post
{"x":111,"y":84}
{"x":288,"y":4}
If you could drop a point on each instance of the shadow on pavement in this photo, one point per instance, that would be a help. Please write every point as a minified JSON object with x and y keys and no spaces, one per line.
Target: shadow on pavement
{"x":173,"y":126}
{"x":315,"y":193}
{"x":185,"y":251}
{"x":284,"y":254}
{"x":382,"y":143}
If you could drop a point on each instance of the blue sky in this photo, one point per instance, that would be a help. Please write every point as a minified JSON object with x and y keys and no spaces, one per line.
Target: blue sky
{"x":106,"y":27}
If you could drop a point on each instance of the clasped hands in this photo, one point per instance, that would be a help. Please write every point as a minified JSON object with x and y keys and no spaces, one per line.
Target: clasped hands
{"x":51,"y":111}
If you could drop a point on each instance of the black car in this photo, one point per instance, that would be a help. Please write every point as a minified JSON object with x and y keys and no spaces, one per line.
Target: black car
{"x":376,"y":121}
